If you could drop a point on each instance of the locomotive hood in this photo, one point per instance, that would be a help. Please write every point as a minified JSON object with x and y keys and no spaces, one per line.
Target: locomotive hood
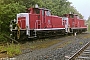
{"x":23,"y":20}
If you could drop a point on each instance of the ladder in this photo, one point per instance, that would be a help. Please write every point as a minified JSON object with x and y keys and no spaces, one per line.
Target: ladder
{"x":37,"y":26}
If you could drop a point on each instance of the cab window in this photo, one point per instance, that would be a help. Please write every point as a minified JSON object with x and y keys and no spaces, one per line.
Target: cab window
{"x":43,"y":12}
{"x":36,"y":11}
{"x":48,"y":13}
{"x":71,"y":16}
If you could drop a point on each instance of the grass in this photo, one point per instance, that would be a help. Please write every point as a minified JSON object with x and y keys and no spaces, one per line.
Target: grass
{"x":2,"y":38}
{"x":64,"y":44}
{"x":86,"y":36}
{"x":44,"y":44}
{"x":80,"y":43}
{"x":41,"y":44}
{"x":10,"y":50}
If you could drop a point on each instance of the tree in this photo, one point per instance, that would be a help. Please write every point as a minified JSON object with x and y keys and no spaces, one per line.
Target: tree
{"x":8,"y":12}
{"x":9,"y":8}
{"x":73,"y":10}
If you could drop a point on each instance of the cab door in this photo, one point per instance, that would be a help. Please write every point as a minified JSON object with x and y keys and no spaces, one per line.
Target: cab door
{"x":48,"y":19}
{"x":43,"y":19}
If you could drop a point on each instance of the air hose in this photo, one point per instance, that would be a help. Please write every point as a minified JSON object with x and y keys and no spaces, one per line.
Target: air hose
{"x":18,"y":31}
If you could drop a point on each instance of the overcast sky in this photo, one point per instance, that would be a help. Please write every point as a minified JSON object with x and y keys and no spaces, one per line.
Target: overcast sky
{"x":83,"y":6}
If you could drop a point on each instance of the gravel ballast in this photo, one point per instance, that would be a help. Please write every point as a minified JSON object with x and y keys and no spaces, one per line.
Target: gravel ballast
{"x":60,"y":51}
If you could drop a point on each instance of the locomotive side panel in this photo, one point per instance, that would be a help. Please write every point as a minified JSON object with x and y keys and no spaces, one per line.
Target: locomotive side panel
{"x":76,"y":21}
{"x":57,"y":22}
{"x":33,"y":20}
{"x":48,"y":22}
{"x":81,"y":23}
{"x":71,"y":22}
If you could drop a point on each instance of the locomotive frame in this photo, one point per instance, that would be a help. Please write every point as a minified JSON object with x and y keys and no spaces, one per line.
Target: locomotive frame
{"x":39,"y":22}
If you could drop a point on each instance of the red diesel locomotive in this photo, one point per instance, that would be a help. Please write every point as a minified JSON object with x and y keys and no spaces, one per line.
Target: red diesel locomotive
{"x":39,"y":22}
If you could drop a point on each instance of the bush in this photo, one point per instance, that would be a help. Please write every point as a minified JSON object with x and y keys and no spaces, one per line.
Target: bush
{"x":2,"y":38}
{"x":89,"y":27}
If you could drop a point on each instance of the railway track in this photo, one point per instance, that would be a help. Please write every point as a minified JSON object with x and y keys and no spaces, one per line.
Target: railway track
{"x":82,"y":54}
{"x":85,"y":55}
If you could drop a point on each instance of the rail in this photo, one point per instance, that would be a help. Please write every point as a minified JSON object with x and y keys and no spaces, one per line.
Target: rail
{"x":79,"y":52}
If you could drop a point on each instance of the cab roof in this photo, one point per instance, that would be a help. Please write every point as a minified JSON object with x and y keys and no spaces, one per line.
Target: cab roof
{"x":40,"y":9}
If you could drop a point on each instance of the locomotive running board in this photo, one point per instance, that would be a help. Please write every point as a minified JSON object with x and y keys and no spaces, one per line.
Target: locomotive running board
{"x":31,"y":37}
{"x":50,"y":29}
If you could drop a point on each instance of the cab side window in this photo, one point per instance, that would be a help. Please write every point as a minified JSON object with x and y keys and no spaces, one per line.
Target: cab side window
{"x":48,"y":13}
{"x":71,"y":16}
{"x":36,"y":11}
{"x":42,"y":12}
